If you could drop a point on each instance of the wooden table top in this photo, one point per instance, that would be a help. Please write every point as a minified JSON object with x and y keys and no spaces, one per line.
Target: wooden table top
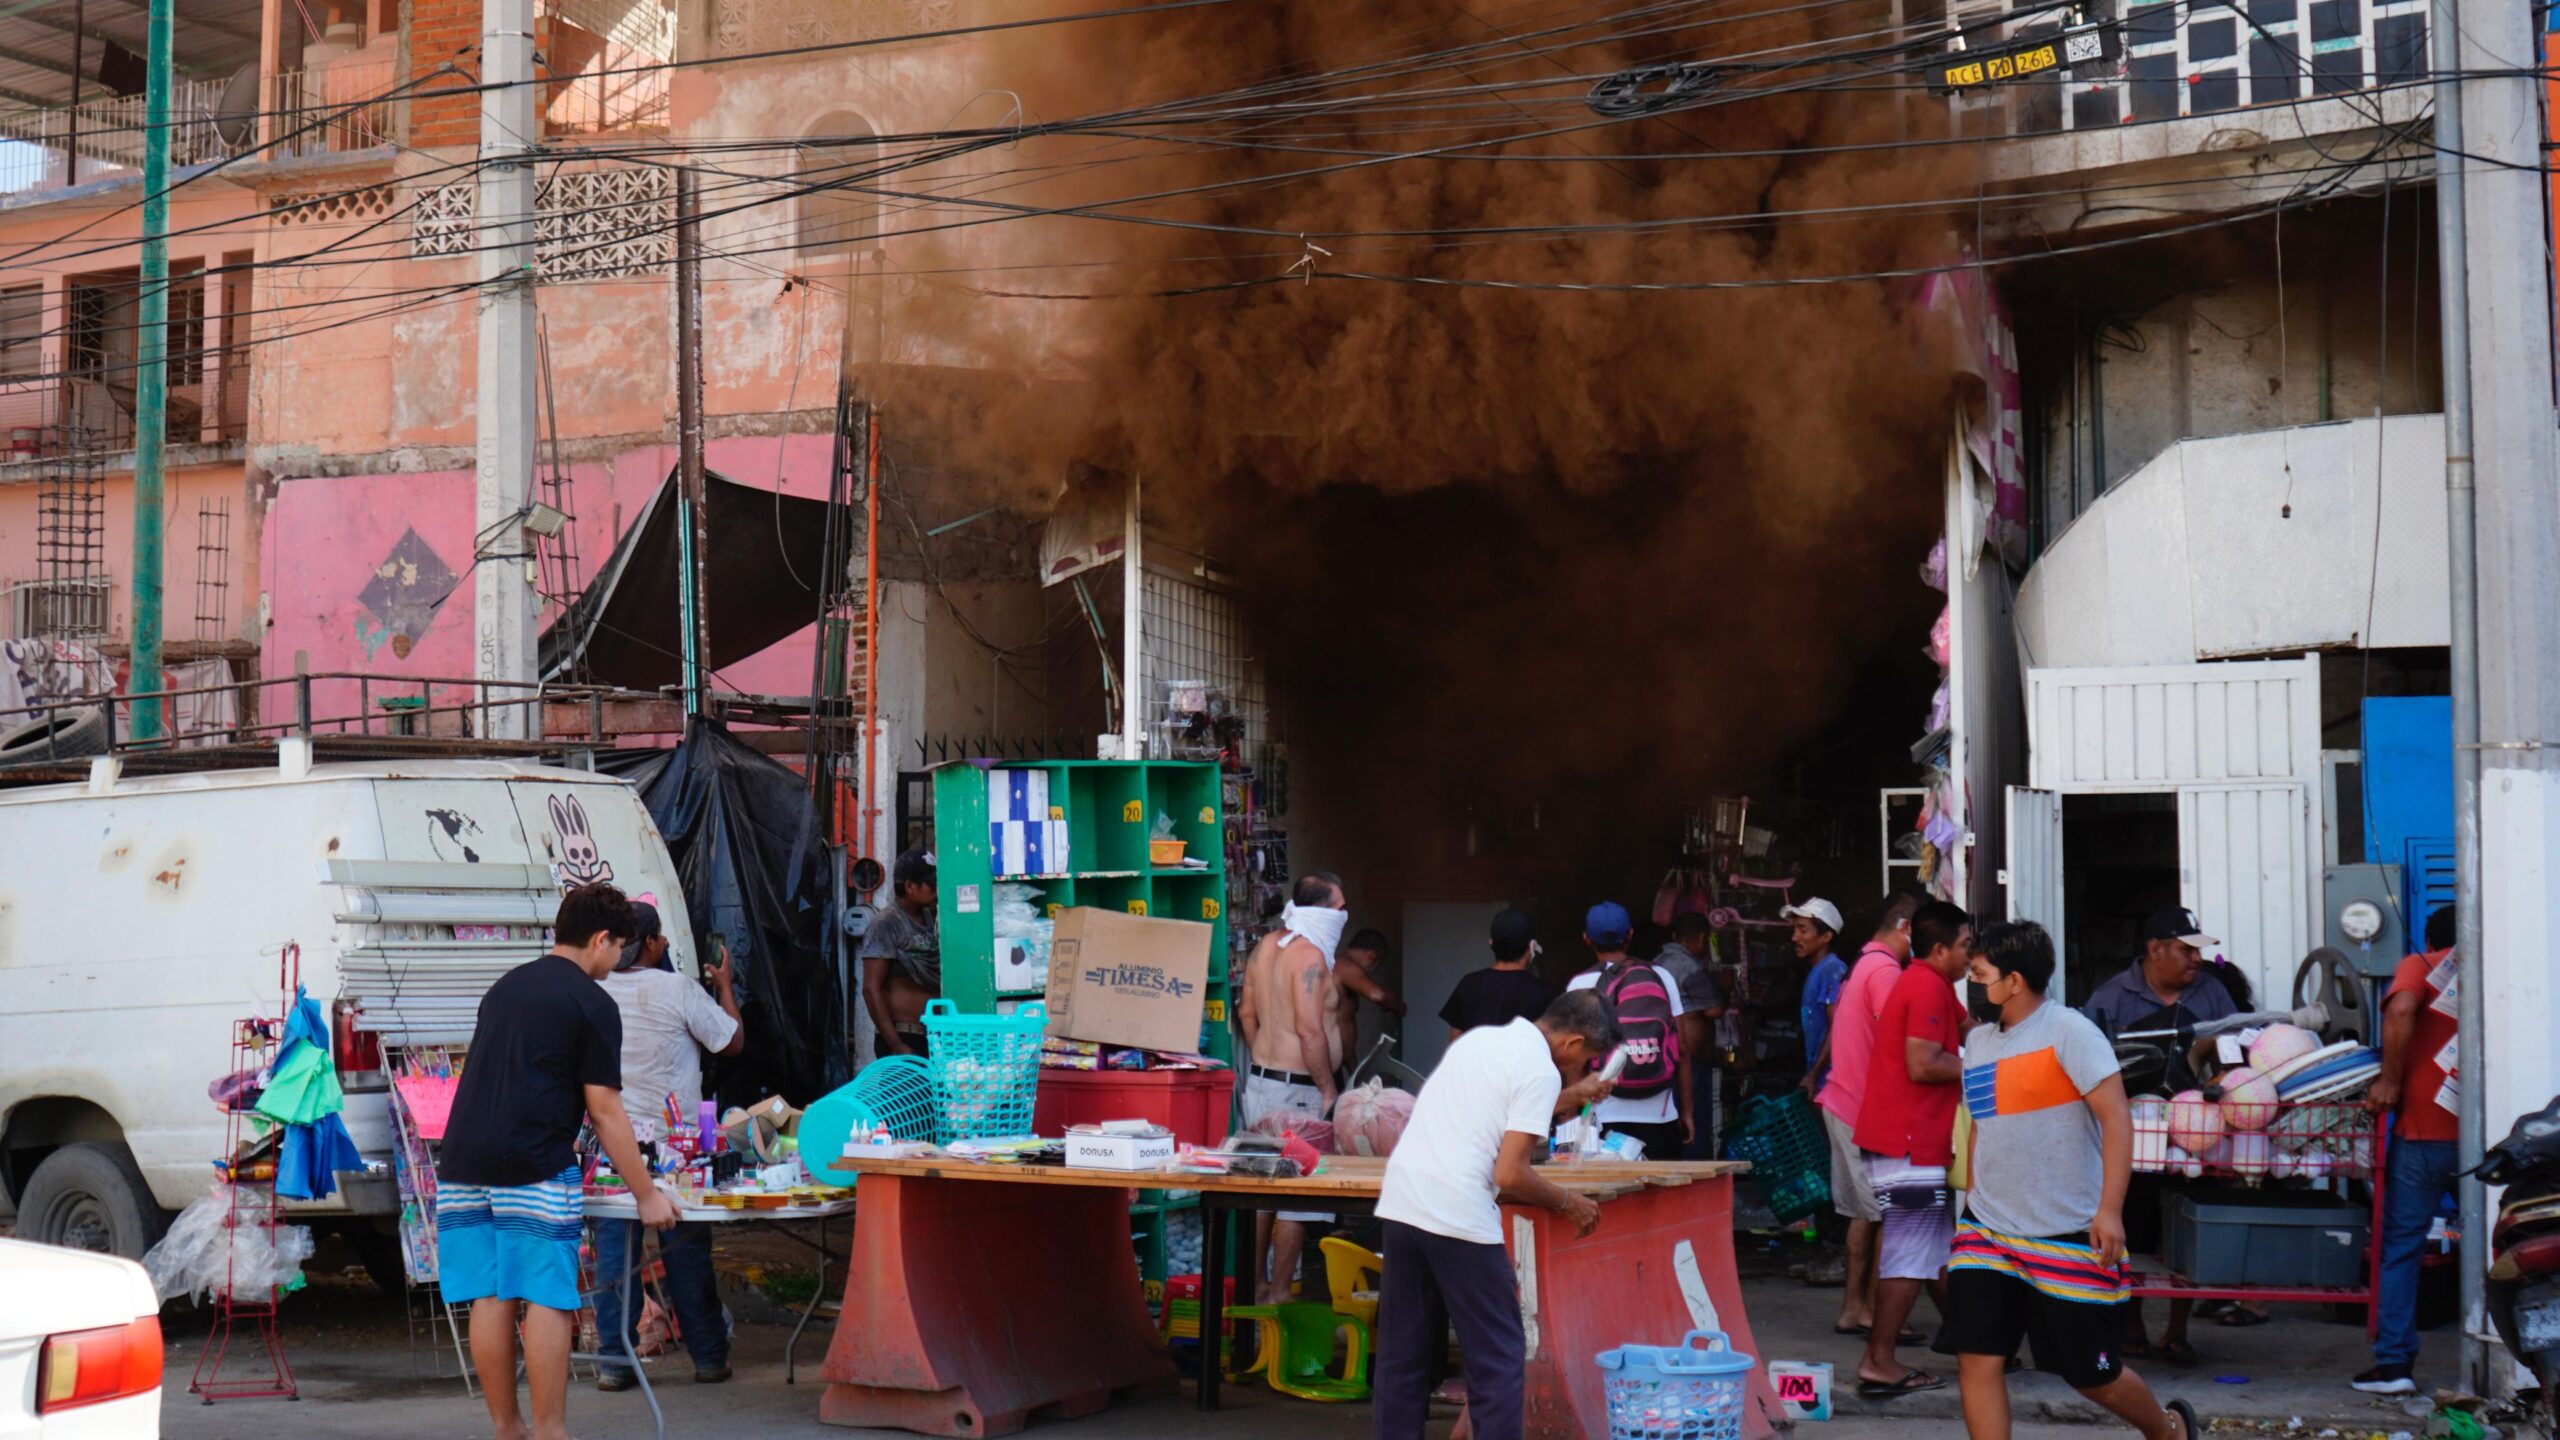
{"x":1343,"y":1177}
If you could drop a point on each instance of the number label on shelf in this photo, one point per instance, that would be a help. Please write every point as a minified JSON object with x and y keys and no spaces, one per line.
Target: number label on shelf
{"x":1135,"y":812}
{"x":1213,"y":1009}
{"x":1054,"y":908}
{"x":1137,"y":907}
{"x":1209,"y":909}
{"x":1208,"y":815}
{"x":1057,"y":812}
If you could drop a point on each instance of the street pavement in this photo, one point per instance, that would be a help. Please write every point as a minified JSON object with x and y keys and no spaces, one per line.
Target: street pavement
{"x":366,"y":1374}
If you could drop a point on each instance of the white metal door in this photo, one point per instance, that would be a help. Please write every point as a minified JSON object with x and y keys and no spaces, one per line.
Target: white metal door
{"x":2241,"y":868}
{"x":2034,"y":876}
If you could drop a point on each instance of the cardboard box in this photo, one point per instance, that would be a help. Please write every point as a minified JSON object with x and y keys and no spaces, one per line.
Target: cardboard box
{"x":1127,"y":979}
{"x":1119,"y":1152}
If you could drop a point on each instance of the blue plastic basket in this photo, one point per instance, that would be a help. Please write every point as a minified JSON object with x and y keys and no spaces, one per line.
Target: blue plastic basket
{"x":986,"y":1069}
{"x":1676,"y":1392}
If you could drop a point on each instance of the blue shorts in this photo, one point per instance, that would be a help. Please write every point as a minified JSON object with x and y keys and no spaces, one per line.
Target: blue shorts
{"x":511,"y":1242}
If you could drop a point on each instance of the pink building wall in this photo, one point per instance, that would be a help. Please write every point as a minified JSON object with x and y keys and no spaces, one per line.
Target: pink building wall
{"x":408,"y":537}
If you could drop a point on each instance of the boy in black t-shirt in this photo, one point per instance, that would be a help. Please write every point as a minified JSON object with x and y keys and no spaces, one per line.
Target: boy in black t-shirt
{"x":547,"y":1052}
{"x":1506,"y":990}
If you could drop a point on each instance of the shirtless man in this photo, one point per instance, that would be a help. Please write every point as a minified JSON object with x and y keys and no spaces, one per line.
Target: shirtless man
{"x":1288,"y":1016}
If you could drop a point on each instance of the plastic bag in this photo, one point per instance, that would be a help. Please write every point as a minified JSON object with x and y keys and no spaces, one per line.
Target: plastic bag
{"x":1370,"y":1119}
{"x":1314,"y":1129}
{"x":1022,"y":934}
{"x":205,"y":1256}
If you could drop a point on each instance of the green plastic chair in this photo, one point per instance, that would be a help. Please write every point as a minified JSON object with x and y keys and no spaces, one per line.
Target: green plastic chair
{"x":1295,"y":1344}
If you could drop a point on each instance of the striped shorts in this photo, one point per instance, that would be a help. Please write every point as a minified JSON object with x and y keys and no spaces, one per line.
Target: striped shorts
{"x":511,"y":1242}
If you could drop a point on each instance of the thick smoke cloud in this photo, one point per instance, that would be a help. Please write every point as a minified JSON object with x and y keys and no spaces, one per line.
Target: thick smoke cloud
{"x":1534,"y":540}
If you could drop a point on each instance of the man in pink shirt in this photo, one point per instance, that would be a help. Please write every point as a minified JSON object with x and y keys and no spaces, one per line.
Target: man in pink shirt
{"x":1850,"y":1051}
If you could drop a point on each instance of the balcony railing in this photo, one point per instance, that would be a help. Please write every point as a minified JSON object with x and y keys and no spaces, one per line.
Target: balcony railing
{"x":107,"y":134}
{"x":342,"y":105}
{"x":2204,"y":57}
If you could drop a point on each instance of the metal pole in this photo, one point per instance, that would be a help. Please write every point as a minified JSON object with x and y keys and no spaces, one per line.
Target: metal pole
{"x":151,"y":382}
{"x":1133,"y":625}
{"x":2454,"y":300}
{"x":79,"y":58}
{"x":694,"y":532}
{"x":869,"y":732}
{"x":505,"y":607}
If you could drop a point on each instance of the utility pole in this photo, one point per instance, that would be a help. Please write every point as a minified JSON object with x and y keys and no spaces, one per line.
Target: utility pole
{"x":1133,"y":626}
{"x":151,"y":381}
{"x":504,"y":605}
{"x":693,"y":531}
{"x":2496,"y":290}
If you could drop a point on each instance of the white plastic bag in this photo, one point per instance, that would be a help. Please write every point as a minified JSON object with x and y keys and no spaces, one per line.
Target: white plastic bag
{"x":194,"y":1258}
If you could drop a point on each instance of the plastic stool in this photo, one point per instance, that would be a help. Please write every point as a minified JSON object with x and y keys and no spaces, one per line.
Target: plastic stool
{"x":1353,"y":1275}
{"x":1295,"y":1344}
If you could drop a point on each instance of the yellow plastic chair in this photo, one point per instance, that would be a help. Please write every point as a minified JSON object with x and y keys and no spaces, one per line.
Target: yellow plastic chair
{"x":1353,"y":1274}
{"x":1294,"y":1345}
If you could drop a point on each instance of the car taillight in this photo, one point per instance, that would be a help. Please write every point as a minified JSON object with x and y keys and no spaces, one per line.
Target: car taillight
{"x":89,"y":1367}
{"x":355,"y":1050}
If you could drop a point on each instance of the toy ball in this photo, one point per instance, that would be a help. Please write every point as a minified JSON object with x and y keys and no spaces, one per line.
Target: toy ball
{"x":2250,"y":1154}
{"x":2248,"y":1100}
{"x":2195,"y":1123}
{"x":2278,"y":1044}
{"x":2151,"y":1107}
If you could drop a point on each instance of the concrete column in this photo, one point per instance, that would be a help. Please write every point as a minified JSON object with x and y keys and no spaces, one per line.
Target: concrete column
{"x":505,"y":608}
{"x":2519,"y":565}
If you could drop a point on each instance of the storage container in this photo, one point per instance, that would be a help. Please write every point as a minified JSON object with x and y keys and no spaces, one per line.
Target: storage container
{"x":2262,"y":1237}
{"x":1190,"y":1103}
{"x":1688,"y":1391}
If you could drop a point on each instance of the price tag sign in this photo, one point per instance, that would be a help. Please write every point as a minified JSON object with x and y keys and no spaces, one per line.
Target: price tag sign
{"x":1797,"y":1388}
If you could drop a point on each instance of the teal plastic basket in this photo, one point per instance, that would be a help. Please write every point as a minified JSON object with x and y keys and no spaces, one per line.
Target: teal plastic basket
{"x":1790,"y":1155}
{"x":1676,"y":1392}
{"x":986,"y":1070}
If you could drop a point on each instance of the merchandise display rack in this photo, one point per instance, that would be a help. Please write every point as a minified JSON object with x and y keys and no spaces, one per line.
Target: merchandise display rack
{"x":2354,"y":1147}
{"x":1109,"y":808}
{"x":243,"y":1320}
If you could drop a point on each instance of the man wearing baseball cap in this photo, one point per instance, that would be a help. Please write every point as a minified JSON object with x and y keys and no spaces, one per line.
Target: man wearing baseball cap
{"x":1812,"y":928}
{"x":1652,"y":1100}
{"x":2166,"y":987}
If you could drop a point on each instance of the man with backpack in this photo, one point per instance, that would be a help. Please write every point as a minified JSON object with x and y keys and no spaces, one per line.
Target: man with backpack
{"x":1651,"y":1102}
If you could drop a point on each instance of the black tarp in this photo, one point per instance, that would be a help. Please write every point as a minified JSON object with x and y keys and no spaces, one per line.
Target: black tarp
{"x":767,"y":552}
{"x":752,"y":859}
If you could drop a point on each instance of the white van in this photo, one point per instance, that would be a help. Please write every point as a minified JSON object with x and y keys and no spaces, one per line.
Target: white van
{"x":141,"y":915}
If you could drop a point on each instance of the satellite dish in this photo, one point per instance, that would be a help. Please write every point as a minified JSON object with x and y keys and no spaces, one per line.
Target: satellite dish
{"x":235,"y":115}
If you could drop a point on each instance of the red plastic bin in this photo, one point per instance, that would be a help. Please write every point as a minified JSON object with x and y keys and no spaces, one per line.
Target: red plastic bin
{"x":1193,"y":1104}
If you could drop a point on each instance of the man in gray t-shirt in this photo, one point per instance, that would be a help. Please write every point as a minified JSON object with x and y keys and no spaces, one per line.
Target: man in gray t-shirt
{"x":2037,"y":1166}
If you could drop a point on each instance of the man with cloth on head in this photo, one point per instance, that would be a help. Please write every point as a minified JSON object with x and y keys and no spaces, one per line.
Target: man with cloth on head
{"x":1286,"y":1010}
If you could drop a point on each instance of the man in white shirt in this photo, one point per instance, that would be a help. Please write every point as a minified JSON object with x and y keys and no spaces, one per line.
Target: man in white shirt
{"x":1475,"y":1124}
{"x":667,"y":1022}
{"x":1653,"y":1097}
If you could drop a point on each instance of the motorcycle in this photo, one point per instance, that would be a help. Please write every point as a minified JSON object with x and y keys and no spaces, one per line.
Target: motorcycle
{"x":2523,"y":1289}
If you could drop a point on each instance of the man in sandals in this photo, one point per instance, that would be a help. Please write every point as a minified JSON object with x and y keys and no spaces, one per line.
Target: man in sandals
{"x":2040,"y":1254}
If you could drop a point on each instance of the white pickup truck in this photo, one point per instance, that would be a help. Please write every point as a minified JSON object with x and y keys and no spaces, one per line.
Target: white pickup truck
{"x":141,"y":915}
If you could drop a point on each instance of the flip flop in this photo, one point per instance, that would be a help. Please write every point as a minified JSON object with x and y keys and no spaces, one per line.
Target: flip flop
{"x":2240,"y":1319}
{"x":1908,"y":1336}
{"x":1912,"y":1382}
{"x":2186,"y":1414}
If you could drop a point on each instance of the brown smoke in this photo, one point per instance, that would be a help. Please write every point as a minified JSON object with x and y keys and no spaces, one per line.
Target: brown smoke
{"x":1527,"y":542}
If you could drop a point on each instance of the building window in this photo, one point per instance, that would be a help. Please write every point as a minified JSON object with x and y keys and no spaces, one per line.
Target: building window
{"x":838,"y":219}
{"x":22,"y":330}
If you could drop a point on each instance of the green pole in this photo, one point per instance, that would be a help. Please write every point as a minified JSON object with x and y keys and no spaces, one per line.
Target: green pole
{"x":151,"y":384}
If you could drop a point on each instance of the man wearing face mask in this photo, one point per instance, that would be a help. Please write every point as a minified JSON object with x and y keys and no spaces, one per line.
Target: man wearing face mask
{"x":1287,"y":1014}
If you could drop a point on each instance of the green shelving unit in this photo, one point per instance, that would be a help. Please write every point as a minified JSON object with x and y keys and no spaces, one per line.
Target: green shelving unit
{"x":1109,"y":808}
